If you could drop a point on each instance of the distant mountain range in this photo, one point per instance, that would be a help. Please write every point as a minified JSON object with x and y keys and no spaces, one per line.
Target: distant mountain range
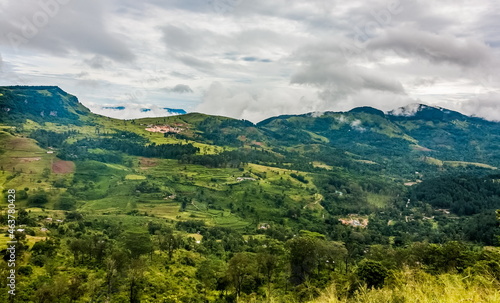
{"x":426,"y":134}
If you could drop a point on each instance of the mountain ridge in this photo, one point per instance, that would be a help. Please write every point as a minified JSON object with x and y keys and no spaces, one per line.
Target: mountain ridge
{"x":410,"y":111}
{"x":411,"y":132}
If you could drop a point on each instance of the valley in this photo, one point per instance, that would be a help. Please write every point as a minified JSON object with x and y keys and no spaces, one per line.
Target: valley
{"x":332,"y":207}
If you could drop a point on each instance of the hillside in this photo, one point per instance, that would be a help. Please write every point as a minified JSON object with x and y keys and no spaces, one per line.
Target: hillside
{"x":197,"y":208}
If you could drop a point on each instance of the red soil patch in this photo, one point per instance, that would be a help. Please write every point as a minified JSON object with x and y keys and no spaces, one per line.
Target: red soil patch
{"x":63,"y":167}
{"x":146,"y":163}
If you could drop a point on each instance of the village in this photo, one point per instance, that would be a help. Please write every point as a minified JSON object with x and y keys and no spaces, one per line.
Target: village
{"x":165,"y":128}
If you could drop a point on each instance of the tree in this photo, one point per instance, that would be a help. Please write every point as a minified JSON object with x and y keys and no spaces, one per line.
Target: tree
{"x":268,"y":265}
{"x":167,"y":241}
{"x":373,"y":273}
{"x":46,"y":172}
{"x":354,"y":243}
{"x":242,"y":268}
{"x":304,"y":257}
{"x":211,"y":272}
{"x":116,"y":264}
{"x":47,"y":247}
{"x":137,"y":243}
{"x":38,"y":199}
{"x":136,"y":280}
{"x":66,"y":202}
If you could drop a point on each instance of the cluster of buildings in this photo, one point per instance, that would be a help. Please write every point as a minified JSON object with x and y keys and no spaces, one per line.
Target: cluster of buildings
{"x":355,"y":221}
{"x":164,"y":129}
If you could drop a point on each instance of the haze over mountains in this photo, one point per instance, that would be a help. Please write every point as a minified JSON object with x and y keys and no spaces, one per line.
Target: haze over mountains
{"x":134,"y":111}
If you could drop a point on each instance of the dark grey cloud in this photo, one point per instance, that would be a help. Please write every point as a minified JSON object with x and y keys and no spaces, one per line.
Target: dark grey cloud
{"x":61,"y":28}
{"x":181,"y":39}
{"x":250,"y":59}
{"x":179,"y":88}
{"x":97,"y":62}
{"x":325,"y":65}
{"x":422,"y":82}
{"x":256,"y":59}
{"x":182,"y":75}
{"x":90,"y":83}
{"x":436,"y":48}
{"x":199,"y":64}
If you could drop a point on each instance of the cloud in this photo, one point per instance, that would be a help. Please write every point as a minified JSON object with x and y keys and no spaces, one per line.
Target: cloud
{"x":184,"y":76}
{"x":179,"y":88}
{"x":259,"y":58}
{"x":201,"y":65}
{"x":356,"y":125}
{"x":486,"y":105}
{"x":97,"y":62}
{"x":338,"y":77}
{"x":77,"y":26}
{"x":250,"y":59}
{"x":255,"y":103}
{"x":130,"y":110}
{"x":423,"y":81}
{"x":466,"y":52}
{"x":181,"y":39}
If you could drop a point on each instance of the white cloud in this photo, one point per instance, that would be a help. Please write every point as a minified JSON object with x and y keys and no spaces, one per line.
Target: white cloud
{"x":256,"y":103}
{"x":130,"y":110}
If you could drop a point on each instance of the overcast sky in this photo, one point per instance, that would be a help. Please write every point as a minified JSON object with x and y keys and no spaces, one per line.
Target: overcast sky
{"x":254,"y":59}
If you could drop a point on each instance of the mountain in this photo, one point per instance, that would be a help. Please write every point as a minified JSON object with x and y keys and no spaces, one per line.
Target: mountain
{"x":425,"y":112}
{"x":401,"y":136}
{"x":39,"y":103}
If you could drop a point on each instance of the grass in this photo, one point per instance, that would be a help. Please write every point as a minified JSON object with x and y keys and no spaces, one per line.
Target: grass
{"x":365,"y":161}
{"x":111,"y":204}
{"x":317,"y":137}
{"x":30,"y":240}
{"x":23,"y":162}
{"x":378,"y":200}
{"x":135,"y":177}
{"x":461,"y":163}
{"x":417,"y":286}
{"x":441,"y":163}
{"x":321,"y":165}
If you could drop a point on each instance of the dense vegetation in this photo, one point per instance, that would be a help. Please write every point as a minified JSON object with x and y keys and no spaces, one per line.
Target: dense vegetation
{"x":339,"y":207}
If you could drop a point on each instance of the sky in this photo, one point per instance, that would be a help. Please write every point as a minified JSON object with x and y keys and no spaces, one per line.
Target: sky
{"x":256,"y":59}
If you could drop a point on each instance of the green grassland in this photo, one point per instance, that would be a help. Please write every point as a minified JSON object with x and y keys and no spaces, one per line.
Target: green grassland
{"x":24,"y":163}
{"x":441,"y":163}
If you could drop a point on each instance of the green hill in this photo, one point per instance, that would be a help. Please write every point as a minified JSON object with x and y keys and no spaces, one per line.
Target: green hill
{"x":39,"y":103}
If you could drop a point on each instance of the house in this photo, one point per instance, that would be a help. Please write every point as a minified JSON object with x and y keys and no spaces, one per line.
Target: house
{"x":264,"y":226}
{"x":239,"y":179}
